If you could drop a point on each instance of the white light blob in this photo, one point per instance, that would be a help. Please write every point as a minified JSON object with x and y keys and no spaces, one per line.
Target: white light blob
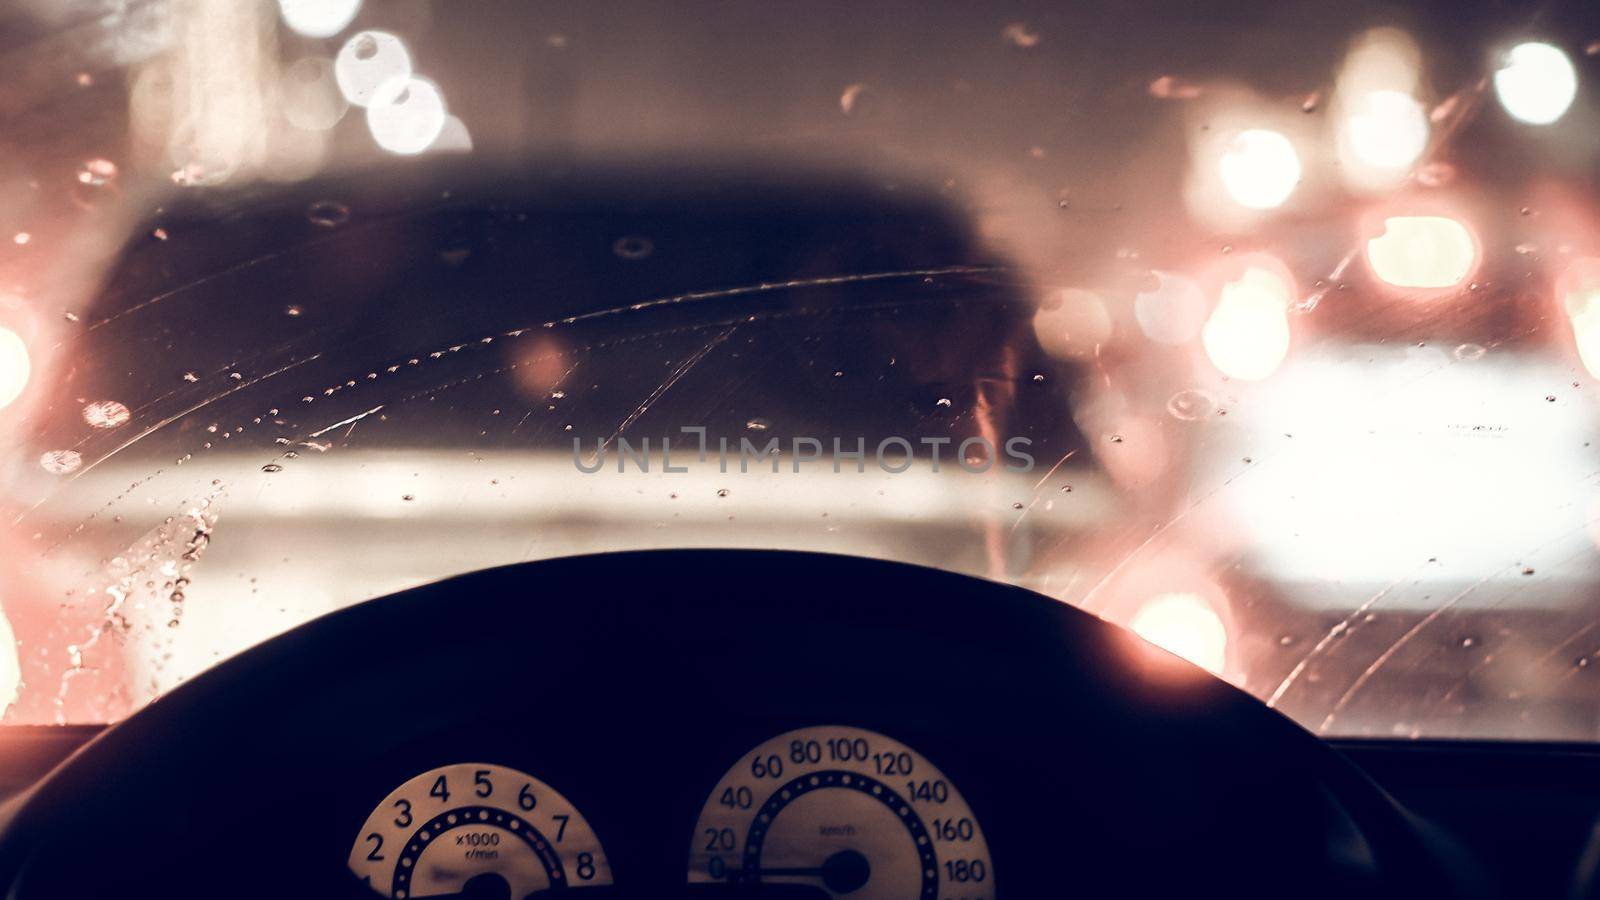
{"x":1173,"y":311}
{"x":14,"y":368}
{"x":367,"y":62}
{"x":1537,"y":83}
{"x":1186,"y":625}
{"x":318,"y":18}
{"x":1259,"y":168}
{"x":10,"y":664}
{"x":1247,"y":335}
{"x":1386,"y":129}
{"x":1422,"y":252}
{"x":406,"y":115}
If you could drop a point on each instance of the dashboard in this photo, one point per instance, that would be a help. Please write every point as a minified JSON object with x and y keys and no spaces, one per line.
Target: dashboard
{"x":711,"y":724}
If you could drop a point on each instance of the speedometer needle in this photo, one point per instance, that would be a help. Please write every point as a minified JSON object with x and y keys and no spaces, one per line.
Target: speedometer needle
{"x":841,"y":873}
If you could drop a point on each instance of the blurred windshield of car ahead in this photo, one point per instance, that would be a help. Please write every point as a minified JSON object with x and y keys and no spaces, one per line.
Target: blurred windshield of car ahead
{"x":1270,"y":331}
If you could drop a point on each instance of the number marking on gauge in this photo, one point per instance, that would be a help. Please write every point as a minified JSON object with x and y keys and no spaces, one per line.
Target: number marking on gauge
{"x":853,"y":812}
{"x":476,"y":823}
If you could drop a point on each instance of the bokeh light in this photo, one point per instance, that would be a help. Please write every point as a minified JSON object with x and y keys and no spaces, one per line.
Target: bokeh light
{"x":1537,"y":83}
{"x":367,"y":62}
{"x":1381,"y":127}
{"x":1247,"y":334}
{"x":309,"y":95}
{"x":1423,"y":252}
{"x":1171,"y":312}
{"x":10,"y":664}
{"x":318,"y":18}
{"x":406,"y":115}
{"x":1185,"y":625}
{"x":1072,"y":323}
{"x":14,"y":367}
{"x":1259,"y":168}
{"x":1579,"y":292}
{"x":1386,"y":130}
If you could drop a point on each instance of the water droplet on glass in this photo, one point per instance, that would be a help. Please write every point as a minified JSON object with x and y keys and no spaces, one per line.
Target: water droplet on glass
{"x":758,"y":425}
{"x":1311,"y":102}
{"x":191,"y":377}
{"x":1528,"y":571}
{"x":1017,"y":505}
{"x":943,"y":403}
{"x":21,"y":238}
{"x":270,"y":468}
{"x":1549,"y":398}
{"x":1187,"y":406}
{"x":60,"y":462}
{"x":1066,"y":489}
{"x":159,"y":234}
{"x":408,"y":497}
{"x":1470,"y":352}
{"x":1467,"y":642}
{"x":1582,"y":662}
{"x":633,"y":246}
{"x":106,"y":414}
{"x":1018,"y":35}
{"x":328,"y":213}
{"x":1038,"y":378}
{"x":294,"y":312}
{"x":722,"y":492}
{"x":97,"y":172}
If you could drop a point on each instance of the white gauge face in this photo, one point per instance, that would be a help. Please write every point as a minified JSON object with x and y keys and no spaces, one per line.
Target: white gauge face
{"x":850,"y":811}
{"x":476,"y":826}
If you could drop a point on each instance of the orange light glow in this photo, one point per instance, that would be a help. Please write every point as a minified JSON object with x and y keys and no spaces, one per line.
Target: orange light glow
{"x":1247,"y":335}
{"x":1423,"y":252}
{"x":1071,"y":323}
{"x":1579,"y":291}
{"x":14,"y":367}
{"x":1185,"y":625}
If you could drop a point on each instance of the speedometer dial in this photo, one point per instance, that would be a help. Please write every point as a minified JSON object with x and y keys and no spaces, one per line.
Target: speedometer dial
{"x":850,"y":811}
{"x":479,"y":830}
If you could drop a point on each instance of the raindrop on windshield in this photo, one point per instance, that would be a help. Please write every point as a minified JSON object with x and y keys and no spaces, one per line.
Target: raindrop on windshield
{"x":106,"y":414}
{"x":60,"y":462}
{"x":328,"y":213}
{"x":758,"y":425}
{"x":633,"y":246}
{"x":1017,"y":34}
{"x":270,"y":468}
{"x":97,"y":172}
{"x":1187,"y":406}
{"x":1470,"y":352}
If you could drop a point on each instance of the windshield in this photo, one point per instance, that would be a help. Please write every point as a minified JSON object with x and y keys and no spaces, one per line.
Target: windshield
{"x":1269,"y":333}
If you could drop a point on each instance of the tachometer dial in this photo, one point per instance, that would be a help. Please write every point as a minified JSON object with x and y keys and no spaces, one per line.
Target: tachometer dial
{"x":850,"y":811}
{"x":478,"y":830}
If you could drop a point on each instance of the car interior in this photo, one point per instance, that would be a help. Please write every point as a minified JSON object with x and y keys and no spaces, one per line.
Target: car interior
{"x":484,"y":449}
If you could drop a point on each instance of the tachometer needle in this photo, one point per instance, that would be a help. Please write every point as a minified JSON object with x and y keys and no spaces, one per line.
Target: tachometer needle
{"x":487,"y":886}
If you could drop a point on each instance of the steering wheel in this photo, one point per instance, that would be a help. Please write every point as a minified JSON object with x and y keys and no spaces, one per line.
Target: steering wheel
{"x":631,"y":683}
